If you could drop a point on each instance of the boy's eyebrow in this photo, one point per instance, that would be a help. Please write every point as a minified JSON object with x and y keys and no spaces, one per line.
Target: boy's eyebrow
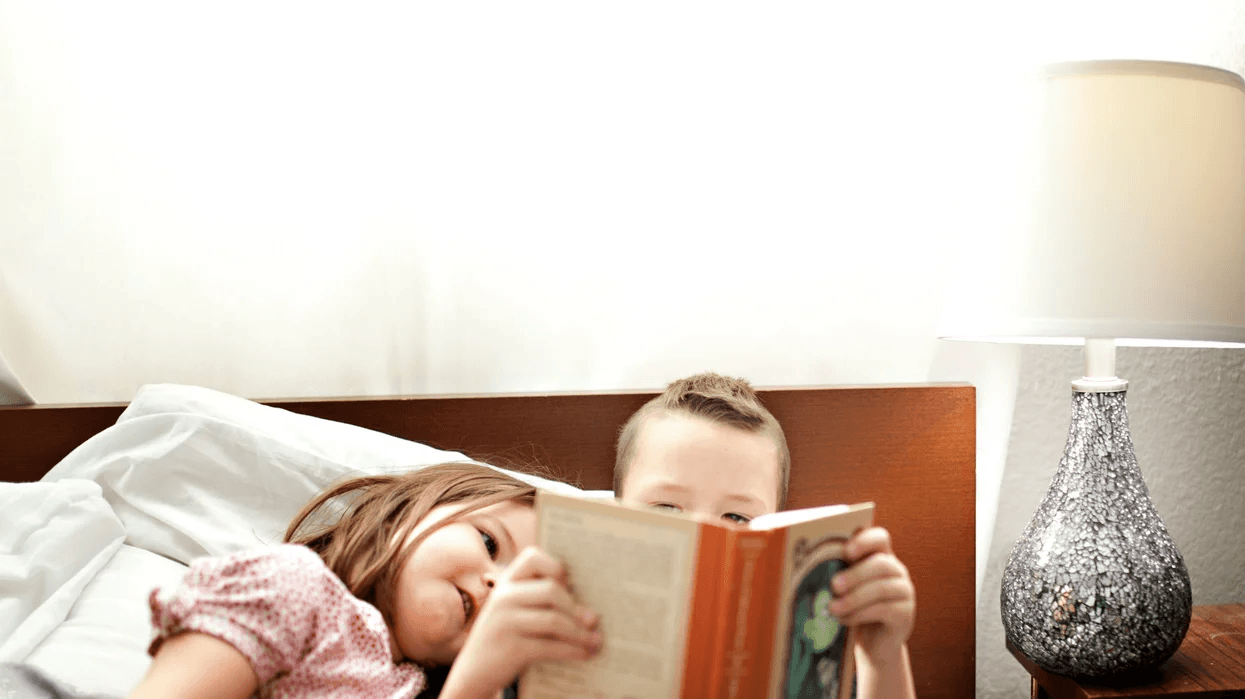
{"x":671,"y":486}
{"x":745,"y":499}
{"x":501,"y":528}
{"x":668,"y":486}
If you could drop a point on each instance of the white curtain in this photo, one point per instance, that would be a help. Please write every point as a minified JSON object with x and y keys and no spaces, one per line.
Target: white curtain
{"x":299,"y":199}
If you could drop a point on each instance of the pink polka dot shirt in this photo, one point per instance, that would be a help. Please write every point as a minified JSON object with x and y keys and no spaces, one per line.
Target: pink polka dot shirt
{"x":302,"y":630}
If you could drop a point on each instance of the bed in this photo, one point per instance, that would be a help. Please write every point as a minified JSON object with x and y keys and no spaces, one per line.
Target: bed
{"x":99,"y":503}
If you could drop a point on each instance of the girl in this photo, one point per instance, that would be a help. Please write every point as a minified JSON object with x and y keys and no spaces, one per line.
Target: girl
{"x":364,"y":605}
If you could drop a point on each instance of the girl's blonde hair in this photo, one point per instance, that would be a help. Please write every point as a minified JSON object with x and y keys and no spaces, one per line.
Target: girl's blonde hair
{"x":367,"y":544}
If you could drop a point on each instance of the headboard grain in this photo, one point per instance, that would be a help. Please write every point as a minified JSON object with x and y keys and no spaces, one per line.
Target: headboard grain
{"x":910,"y":449}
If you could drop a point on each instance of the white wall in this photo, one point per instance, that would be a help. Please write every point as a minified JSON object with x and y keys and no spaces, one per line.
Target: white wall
{"x":279,"y":199}
{"x":525,"y":198}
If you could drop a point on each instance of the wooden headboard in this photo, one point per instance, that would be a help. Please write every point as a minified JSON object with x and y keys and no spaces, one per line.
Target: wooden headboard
{"x":910,"y":449}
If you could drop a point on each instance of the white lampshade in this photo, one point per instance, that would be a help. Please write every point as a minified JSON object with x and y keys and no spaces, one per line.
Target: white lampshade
{"x":1137,"y":226}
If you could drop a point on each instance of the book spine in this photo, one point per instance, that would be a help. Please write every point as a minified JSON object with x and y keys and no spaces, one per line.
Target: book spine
{"x":750,"y":614}
{"x":700,"y":661}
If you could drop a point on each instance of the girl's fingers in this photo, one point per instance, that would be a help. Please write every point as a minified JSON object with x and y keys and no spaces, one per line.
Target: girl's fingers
{"x":545,"y":649}
{"x":545,"y":593}
{"x":532,"y":563}
{"x":551,"y":625}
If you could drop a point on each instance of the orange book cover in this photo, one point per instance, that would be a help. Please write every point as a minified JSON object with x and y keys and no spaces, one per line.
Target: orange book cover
{"x":697,"y":609}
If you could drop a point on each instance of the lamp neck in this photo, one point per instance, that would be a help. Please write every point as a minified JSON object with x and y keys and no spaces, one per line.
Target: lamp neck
{"x":1099,"y":368}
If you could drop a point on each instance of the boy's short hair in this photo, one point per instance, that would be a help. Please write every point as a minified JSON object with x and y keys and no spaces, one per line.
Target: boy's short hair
{"x":720,"y":399}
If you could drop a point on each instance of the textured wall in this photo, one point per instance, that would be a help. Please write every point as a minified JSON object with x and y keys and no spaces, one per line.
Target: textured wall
{"x":1187,"y":418}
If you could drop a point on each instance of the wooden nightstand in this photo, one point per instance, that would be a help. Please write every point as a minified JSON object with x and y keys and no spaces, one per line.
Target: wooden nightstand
{"x":1210,"y":664}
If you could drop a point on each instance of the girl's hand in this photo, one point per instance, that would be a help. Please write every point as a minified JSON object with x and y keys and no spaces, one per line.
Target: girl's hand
{"x":875,"y":596}
{"x":529,"y":616}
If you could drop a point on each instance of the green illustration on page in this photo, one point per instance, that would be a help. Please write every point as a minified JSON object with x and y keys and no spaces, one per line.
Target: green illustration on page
{"x":817,"y":638}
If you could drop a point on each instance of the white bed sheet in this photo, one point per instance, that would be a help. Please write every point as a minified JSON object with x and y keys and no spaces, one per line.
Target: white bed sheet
{"x":101,"y":647}
{"x":54,"y":538}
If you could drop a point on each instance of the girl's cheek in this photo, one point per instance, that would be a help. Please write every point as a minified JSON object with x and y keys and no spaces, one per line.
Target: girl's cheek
{"x":426,"y":624}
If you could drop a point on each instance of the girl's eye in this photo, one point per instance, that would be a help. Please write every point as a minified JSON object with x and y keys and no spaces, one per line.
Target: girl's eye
{"x":737,"y":518}
{"x":666,"y":506}
{"x":490,"y":544}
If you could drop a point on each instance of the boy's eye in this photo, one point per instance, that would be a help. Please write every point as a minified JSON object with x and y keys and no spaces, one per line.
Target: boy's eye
{"x":666,"y":506}
{"x":490,"y":544}
{"x":737,"y":518}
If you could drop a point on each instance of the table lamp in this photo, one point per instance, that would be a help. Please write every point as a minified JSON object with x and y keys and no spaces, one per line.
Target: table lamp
{"x":1137,"y":237}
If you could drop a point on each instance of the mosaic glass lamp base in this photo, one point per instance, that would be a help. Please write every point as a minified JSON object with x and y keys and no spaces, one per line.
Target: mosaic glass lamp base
{"x":1095,"y":586}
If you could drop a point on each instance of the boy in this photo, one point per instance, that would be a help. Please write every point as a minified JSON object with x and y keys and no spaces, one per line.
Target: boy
{"x":707,"y":447}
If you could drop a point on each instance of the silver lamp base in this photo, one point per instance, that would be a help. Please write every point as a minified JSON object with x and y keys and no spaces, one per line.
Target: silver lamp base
{"x":1095,"y":586}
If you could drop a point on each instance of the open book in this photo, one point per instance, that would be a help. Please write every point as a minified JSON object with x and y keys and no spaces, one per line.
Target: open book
{"x":697,"y":609}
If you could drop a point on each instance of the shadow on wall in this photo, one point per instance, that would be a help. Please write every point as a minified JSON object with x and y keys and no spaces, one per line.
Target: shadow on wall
{"x":993,"y":369}
{"x":12,"y":392}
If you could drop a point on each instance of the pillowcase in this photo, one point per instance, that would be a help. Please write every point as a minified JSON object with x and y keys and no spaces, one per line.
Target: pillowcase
{"x":55,"y":537}
{"x":194,"y":472}
{"x":338,"y":442}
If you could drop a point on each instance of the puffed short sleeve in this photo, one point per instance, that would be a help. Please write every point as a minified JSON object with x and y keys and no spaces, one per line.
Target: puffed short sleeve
{"x":264,"y":603}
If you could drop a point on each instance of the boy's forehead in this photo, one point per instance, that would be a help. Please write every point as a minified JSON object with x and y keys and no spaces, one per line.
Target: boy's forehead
{"x":691,"y":451}
{"x":673,"y":430}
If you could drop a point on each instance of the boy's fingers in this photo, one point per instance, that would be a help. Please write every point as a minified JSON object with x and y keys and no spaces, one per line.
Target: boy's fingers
{"x":866,"y":542}
{"x":893,"y":613}
{"x":876,"y":566}
{"x":880,"y":593}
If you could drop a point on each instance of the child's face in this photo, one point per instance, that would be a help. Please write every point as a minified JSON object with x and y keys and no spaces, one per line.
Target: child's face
{"x":703,"y":468}
{"x":450,"y":574}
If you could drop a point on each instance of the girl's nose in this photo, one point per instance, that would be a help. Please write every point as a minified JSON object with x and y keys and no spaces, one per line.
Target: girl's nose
{"x":490,"y":577}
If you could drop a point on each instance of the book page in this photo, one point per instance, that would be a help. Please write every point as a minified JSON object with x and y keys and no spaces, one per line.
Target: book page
{"x":635,"y":569}
{"x":812,"y":650}
{"x":774,"y":520}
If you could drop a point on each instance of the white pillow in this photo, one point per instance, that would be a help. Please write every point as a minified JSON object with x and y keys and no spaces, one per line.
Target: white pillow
{"x":367,"y":450}
{"x":101,"y":648}
{"x":193,"y":472}
{"x":336,"y":442}
{"x":53,"y":539}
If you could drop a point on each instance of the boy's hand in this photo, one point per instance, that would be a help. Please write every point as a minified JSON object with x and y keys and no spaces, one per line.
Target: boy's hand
{"x":875,"y":596}
{"x":529,"y":616}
